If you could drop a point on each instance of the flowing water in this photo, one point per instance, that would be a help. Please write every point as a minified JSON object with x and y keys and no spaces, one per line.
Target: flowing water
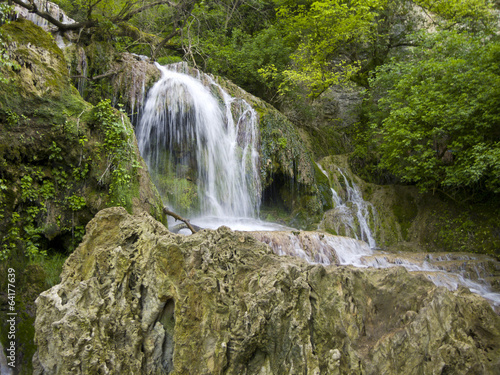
{"x":188,"y":134}
{"x":354,"y":212}
{"x":448,"y":270}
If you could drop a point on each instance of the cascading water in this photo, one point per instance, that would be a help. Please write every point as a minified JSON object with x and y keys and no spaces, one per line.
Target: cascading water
{"x":353,"y":213}
{"x":363,"y":210}
{"x":188,"y":134}
{"x":326,"y":249}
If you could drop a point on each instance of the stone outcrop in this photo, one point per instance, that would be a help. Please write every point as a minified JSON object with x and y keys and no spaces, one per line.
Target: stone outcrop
{"x":135,"y":298}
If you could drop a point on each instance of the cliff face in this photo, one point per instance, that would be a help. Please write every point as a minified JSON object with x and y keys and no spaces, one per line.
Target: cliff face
{"x":135,"y":298}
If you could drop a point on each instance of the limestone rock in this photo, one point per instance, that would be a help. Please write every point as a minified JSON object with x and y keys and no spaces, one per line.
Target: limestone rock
{"x":341,"y":106}
{"x":135,"y":298}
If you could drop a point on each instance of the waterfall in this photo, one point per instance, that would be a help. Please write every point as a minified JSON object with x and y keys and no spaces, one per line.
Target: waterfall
{"x":362,"y":210}
{"x":353,"y":213}
{"x":190,"y":132}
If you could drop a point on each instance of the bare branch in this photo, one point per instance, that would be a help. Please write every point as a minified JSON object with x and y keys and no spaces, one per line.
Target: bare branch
{"x":177,"y":217}
{"x":132,"y":13}
{"x":165,"y":40}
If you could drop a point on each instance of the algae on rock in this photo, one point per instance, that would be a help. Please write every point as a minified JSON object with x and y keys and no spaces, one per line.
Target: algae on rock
{"x":136,"y":298}
{"x":54,"y":160}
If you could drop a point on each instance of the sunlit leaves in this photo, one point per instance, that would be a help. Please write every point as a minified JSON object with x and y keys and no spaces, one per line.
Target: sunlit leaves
{"x":441,"y":113}
{"x":324,"y":29}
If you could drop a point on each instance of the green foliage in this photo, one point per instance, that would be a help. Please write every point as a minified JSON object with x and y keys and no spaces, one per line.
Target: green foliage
{"x":437,"y":122}
{"x":55,"y":152}
{"x":472,"y":15}
{"x":471,"y":230}
{"x":52,"y":266}
{"x":338,"y":41}
{"x":12,"y":118}
{"x":324,"y":29}
{"x":165,"y":60}
{"x":75,"y":202}
{"x":252,"y":61}
{"x":117,"y":145}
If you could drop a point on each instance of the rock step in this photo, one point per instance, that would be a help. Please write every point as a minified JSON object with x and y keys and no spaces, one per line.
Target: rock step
{"x":476,"y":267}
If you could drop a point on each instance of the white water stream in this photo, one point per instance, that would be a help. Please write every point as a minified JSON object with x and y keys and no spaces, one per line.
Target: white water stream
{"x":354,"y":212}
{"x":186,"y":132}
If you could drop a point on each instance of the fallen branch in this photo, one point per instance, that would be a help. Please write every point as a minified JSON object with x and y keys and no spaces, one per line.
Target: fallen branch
{"x":180,"y":226}
{"x":177,"y":217}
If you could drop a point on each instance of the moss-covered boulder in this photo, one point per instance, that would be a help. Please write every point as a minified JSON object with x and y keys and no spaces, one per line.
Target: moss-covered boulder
{"x":135,"y":298}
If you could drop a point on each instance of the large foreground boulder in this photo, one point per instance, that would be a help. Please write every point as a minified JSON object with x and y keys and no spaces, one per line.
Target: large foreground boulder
{"x":137,"y":299}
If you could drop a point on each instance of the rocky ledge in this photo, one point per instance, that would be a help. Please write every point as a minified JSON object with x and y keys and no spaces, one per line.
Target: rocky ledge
{"x":137,"y":299}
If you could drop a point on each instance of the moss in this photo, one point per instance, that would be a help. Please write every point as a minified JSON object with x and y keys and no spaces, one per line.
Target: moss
{"x":405,"y":211}
{"x":288,"y":173}
{"x":326,"y":141}
{"x":324,"y":188}
{"x":470,"y":228}
{"x":26,"y":32}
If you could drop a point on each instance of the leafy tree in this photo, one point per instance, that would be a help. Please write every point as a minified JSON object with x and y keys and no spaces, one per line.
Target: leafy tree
{"x":236,"y":38}
{"x":338,"y":39}
{"x":324,"y":30}
{"x":439,"y":113}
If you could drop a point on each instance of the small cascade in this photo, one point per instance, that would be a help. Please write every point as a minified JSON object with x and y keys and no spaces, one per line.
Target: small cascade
{"x":362,"y":210}
{"x":315,"y":247}
{"x":195,"y":132}
{"x":353,"y":213}
{"x":448,"y":270}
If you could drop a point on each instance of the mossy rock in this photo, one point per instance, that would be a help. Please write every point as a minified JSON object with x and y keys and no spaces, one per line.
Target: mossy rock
{"x":408,"y":220}
{"x":55,"y":172}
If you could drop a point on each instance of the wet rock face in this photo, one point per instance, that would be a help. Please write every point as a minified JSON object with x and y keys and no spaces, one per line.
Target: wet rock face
{"x":135,"y":298}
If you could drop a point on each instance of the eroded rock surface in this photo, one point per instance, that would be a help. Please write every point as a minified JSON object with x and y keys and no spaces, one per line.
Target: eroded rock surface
{"x":137,"y":299}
